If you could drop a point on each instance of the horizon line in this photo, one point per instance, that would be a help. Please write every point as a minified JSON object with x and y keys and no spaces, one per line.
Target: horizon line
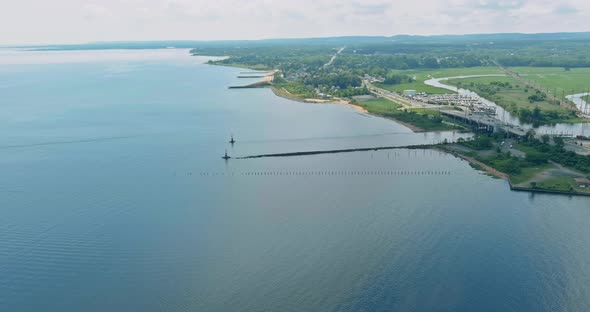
{"x":16,"y":45}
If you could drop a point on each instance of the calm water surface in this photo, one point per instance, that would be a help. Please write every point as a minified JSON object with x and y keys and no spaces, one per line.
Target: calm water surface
{"x":113,"y":197}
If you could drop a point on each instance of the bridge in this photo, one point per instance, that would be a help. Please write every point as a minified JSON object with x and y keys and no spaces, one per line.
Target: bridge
{"x":485,"y":123}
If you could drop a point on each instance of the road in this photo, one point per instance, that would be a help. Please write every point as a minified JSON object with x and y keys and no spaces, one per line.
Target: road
{"x":573,"y":145}
{"x":334,"y":57}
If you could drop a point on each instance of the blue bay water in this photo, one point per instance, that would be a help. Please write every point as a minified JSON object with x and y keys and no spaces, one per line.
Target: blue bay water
{"x":113,"y":197}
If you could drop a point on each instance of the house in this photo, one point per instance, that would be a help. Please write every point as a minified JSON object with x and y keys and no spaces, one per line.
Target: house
{"x":582,"y":182}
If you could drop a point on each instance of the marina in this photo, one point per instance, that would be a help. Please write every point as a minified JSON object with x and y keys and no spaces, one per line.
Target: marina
{"x":469,"y":102}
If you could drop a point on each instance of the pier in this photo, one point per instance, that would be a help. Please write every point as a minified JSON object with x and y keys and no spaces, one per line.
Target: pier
{"x":260,"y":84}
{"x":267,"y":79}
{"x":336,"y":151}
{"x":252,"y":76}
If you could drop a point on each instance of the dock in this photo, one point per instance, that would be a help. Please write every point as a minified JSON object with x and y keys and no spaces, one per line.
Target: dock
{"x":267,"y":79}
{"x":253,"y":76}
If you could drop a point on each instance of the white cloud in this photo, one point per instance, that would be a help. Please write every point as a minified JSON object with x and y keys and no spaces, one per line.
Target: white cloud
{"x":63,"y":21}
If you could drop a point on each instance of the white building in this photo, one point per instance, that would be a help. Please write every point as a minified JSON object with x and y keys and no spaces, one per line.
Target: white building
{"x":409,"y":92}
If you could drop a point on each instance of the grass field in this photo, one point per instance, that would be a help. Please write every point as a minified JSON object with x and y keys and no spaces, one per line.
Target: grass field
{"x":293,"y":89}
{"x":514,"y":97}
{"x":380,"y":106}
{"x":557,"y":81}
{"x":427,"y":120}
{"x":528,"y":173}
{"x":421,"y":75}
{"x":564,"y":184}
{"x":554,"y":80}
{"x":418,"y":86}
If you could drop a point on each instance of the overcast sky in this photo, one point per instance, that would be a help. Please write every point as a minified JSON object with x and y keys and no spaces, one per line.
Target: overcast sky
{"x":72,"y":21}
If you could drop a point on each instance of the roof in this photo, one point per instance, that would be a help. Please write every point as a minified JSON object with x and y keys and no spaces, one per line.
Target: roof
{"x":582,"y":181}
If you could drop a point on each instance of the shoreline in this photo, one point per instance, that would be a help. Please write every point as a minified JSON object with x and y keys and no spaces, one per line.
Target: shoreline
{"x":414,"y":129}
{"x":545,"y":191}
{"x":286,"y":95}
{"x":491,"y":171}
{"x":501,"y":175}
{"x":264,"y":82}
{"x":281,"y":92}
{"x":267,"y":82}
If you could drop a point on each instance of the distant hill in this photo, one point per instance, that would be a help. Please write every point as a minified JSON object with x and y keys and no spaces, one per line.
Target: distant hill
{"x":346,"y":40}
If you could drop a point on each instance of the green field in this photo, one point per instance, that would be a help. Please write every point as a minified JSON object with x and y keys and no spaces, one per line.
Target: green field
{"x":421,"y":75}
{"x":557,"y":81}
{"x":380,"y":106}
{"x":527,"y":173}
{"x":559,"y":183}
{"x":514,"y":97}
{"x":427,"y":120}
{"x":418,"y":86}
{"x":293,"y":89}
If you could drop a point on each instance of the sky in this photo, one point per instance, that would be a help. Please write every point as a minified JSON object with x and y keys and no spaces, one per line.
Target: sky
{"x":78,"y":21}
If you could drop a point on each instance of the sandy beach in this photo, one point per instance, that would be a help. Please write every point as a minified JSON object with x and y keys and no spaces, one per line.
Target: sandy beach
{"x":287,"y":95}
{"x":281,"y":92}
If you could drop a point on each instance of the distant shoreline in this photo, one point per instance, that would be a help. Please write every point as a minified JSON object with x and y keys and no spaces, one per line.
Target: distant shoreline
{"x":286,"y":95}
{"x":281,"y":92}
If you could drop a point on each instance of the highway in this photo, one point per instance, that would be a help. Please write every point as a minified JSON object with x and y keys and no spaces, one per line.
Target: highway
{"x":334,"y":57}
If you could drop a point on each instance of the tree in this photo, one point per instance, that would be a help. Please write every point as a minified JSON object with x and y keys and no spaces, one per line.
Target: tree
{"x":530,"y":135}
{"x":430,"y":62}
{"x":536,"y":158}
{"x":558,"y":142}
{"x":537,"y":97}
{"x":397,"y":79}
{"x":537,"y":113}
{"x":512,"y":166}
{"x":545,"y":138}
{"x":481,"y":142}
